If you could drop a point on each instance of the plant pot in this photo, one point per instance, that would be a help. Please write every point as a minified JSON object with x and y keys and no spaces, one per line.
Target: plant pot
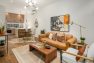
{"x":1,"y":33}
{"x":82,"y":42}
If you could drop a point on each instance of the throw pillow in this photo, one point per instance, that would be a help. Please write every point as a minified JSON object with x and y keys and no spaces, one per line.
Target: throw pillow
{"x":54,"y":36}
{"x":50,"y":36}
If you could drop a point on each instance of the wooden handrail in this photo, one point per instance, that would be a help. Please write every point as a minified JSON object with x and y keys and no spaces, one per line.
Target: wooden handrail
{"x":90,"y":59}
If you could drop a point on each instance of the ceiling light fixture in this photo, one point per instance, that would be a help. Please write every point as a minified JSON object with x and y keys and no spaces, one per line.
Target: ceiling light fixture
{"x":32,"y":4}
{"x":27,"y":1}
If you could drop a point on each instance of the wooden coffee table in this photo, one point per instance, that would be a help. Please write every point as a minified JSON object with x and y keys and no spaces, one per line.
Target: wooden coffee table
{"x":48,"y":54}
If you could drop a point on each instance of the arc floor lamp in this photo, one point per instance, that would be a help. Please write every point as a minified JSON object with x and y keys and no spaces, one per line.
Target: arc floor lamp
{"x":73,"y":23}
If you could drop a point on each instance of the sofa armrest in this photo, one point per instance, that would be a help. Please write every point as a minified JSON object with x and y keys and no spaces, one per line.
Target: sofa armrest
{"x":42,"y":36}
{"x":72,"y":40}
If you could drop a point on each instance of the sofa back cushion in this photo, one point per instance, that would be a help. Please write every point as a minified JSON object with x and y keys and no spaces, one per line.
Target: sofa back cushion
{"x":54,"y":37}
{"x":68,"y":36}
{"x":61,"y":37}
{"x":72,"y":40}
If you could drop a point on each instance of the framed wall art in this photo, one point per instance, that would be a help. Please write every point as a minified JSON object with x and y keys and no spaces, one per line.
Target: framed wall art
{"x":60,"y":23}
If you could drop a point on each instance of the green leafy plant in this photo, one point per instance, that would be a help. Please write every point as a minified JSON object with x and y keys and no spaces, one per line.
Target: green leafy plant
{"x":43,"y":31}
{"x":82,"y":40}
{"x":2,"y":29}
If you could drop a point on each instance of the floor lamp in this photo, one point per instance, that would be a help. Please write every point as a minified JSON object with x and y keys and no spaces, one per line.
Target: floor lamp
{"x":80,"y":27}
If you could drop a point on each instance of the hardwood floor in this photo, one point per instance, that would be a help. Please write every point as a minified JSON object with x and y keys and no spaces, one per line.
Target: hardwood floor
{"x":10,"y":58}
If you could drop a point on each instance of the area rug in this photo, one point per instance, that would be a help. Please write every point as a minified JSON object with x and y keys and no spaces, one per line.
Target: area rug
{"x":18,"y":40}
{"x":23,"y":55}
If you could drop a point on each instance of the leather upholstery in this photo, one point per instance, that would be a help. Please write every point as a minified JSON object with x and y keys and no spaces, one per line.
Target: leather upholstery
{"x":68,"y":39}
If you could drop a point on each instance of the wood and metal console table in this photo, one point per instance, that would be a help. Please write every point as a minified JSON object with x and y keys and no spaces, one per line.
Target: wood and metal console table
{"x":6,"y":41}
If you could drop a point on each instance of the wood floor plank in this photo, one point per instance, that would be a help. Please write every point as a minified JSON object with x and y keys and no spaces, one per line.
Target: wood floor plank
{"x":10,"y":58}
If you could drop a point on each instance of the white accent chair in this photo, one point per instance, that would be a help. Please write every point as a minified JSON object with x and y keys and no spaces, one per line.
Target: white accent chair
{"x":69,"y":56}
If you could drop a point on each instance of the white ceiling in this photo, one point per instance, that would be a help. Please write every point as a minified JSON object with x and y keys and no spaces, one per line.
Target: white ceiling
{"x":12,"y":5}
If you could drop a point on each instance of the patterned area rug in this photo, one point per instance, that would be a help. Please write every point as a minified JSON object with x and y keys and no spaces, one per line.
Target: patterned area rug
{"x":23,"y":55}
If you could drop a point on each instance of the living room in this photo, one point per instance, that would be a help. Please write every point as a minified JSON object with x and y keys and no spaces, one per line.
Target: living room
{"x":38,"y":17}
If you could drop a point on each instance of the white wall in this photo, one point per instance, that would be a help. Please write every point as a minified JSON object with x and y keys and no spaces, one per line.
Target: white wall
{"x":27,"y":15}
{"x":2,"y":15}
{"x":81,"y":12}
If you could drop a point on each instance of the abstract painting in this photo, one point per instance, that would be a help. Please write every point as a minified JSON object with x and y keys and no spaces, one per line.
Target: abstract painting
{"x":60,"y":23}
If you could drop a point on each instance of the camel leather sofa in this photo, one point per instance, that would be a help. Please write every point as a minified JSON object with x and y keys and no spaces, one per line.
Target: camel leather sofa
{"x":61,"y":40}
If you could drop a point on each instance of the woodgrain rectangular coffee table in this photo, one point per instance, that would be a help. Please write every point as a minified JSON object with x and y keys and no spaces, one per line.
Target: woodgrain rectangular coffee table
{"x":48,"y":54}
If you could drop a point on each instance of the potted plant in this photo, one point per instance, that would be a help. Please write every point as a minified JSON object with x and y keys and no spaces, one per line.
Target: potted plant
{"x":2,"y":42}
{"x":82,"y":40}
{"x":2,"y":29}
{"x":43,"y":31}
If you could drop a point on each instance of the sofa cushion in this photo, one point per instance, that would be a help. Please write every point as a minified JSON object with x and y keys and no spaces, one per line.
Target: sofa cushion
{"x":61,"y":38}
